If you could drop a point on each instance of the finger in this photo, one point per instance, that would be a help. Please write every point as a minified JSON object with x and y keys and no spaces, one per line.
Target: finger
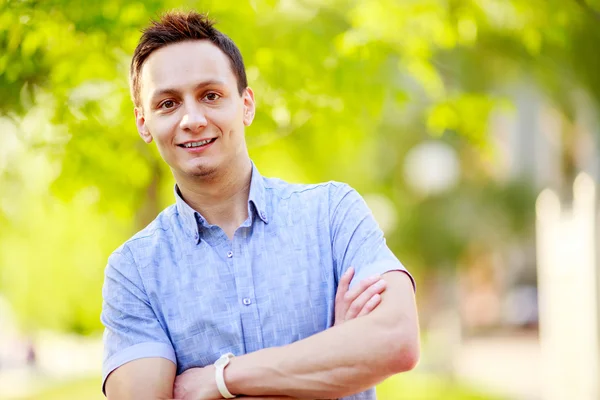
{"x":363,"y":285}
{"x":371,"y":305}
{"x":360,"y":302}
{"x":341,"y":307}
{"x":344,"y":284}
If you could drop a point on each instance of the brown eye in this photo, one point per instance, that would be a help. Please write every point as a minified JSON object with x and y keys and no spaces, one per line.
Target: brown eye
{"x":168,"y":104}
{"x":212,"y":96}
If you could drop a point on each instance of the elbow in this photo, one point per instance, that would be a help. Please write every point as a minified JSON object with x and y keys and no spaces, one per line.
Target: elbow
{"x":406,"y":358}
{"x":403,"y":352}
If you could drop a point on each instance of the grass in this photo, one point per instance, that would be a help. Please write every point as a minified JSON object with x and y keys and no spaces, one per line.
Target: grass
{"x":88,"y":389}
{"x":419,"y":386}
{"x":411,"y":386}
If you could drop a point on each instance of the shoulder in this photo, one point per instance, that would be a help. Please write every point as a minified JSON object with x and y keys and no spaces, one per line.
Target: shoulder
{"x":325,"y":192}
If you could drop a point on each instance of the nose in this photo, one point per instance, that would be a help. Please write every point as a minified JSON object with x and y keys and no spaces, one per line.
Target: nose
{"x":193,"y":119}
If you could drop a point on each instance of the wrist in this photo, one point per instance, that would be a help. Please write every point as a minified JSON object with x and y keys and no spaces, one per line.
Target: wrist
{"x":220,"y":366}
{"x":235,"y":377}
{"x":231,"y":375}
{"x":247,"y":375}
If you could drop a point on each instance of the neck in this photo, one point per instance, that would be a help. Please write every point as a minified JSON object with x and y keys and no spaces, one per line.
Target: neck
{"x":223,"y":199}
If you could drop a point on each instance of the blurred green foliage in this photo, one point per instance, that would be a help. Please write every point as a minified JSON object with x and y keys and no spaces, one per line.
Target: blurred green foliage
{"x":344,"y":88}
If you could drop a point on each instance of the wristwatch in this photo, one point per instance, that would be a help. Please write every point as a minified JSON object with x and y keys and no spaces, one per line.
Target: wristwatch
{"x":220,"y":365}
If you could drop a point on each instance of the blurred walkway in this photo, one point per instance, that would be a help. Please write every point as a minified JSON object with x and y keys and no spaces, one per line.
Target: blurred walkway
{"x":17,"y":383}
{"x":507,"y":365}
{"x":59,"y":358}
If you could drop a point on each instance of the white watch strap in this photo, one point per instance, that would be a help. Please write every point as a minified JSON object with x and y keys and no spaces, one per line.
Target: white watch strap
{"x":219,"y":375}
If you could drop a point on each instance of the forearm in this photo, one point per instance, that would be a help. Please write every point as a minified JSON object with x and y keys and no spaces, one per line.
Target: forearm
{"x":343,"y":360}
{"x":327,"y":365}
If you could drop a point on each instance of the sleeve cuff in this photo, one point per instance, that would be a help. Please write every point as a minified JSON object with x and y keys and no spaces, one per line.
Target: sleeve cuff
{"x":379,"y":268}
{"x":135,"y":352}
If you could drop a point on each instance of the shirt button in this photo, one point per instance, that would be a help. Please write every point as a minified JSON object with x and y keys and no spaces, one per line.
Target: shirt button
{"x":246,"y":301}
{"x":229,"y":254}
{"x":263,"y":215}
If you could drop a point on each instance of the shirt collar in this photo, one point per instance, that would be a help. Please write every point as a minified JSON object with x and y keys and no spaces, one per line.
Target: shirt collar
{"x":257,"y":195}
{"x":192,"y":220}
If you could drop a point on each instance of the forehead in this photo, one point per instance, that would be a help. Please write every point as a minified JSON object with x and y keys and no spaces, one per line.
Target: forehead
{"x":185,"y":64}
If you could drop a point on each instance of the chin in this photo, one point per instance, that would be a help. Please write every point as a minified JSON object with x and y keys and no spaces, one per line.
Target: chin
{"x":202,"y":171}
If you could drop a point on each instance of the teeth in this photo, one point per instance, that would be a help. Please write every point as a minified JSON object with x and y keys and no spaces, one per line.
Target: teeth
{"x":197,"y":144}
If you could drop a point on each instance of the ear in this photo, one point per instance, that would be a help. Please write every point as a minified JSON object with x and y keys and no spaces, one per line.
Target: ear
{"x":140,"y":123}
{"x":249,"y":106}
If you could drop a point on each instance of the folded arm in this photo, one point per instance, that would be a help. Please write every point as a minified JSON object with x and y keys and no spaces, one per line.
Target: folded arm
{"x":340,"y":361}
{"x":153,"y":378}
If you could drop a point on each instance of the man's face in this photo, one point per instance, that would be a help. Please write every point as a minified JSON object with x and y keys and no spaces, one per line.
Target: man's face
{"x":191,"y":107}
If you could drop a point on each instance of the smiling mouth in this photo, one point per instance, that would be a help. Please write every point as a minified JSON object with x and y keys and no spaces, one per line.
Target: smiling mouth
{"x":200,"y":143}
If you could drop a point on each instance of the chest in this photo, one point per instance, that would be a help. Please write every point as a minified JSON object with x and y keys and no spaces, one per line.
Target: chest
{"x":262,"y":289}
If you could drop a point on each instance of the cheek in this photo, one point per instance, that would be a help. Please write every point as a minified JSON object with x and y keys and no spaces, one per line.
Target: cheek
{"x":229,"y":119}
{"x":230,"y":113}
{"x":162,"y":129}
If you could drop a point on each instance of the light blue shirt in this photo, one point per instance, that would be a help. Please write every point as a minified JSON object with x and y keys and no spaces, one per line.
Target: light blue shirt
{"x":181,"y":290}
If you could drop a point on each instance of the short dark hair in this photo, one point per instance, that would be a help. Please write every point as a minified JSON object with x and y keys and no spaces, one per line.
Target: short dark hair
{"x":174,"y":27}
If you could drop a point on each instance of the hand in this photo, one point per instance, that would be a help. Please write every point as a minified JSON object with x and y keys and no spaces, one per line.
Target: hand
{"x":200,"y":384}
{"x":197,"y":384}
{"x":360,"y":300}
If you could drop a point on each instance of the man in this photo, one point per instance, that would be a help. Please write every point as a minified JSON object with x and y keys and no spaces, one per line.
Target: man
{"x":243,"y":265}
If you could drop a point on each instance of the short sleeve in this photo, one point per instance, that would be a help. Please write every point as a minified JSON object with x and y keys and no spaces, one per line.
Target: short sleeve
{"x":357,"y":240}
{"x":132,"y":330}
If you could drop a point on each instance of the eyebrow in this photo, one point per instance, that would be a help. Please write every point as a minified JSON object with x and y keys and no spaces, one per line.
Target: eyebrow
{"x":170,"y":91}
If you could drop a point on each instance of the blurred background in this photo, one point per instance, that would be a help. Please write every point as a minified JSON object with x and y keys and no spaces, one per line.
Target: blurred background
{"x":471,"y":127}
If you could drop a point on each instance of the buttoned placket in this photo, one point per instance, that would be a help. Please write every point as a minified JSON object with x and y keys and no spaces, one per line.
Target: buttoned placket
{"x":240,"y":260}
